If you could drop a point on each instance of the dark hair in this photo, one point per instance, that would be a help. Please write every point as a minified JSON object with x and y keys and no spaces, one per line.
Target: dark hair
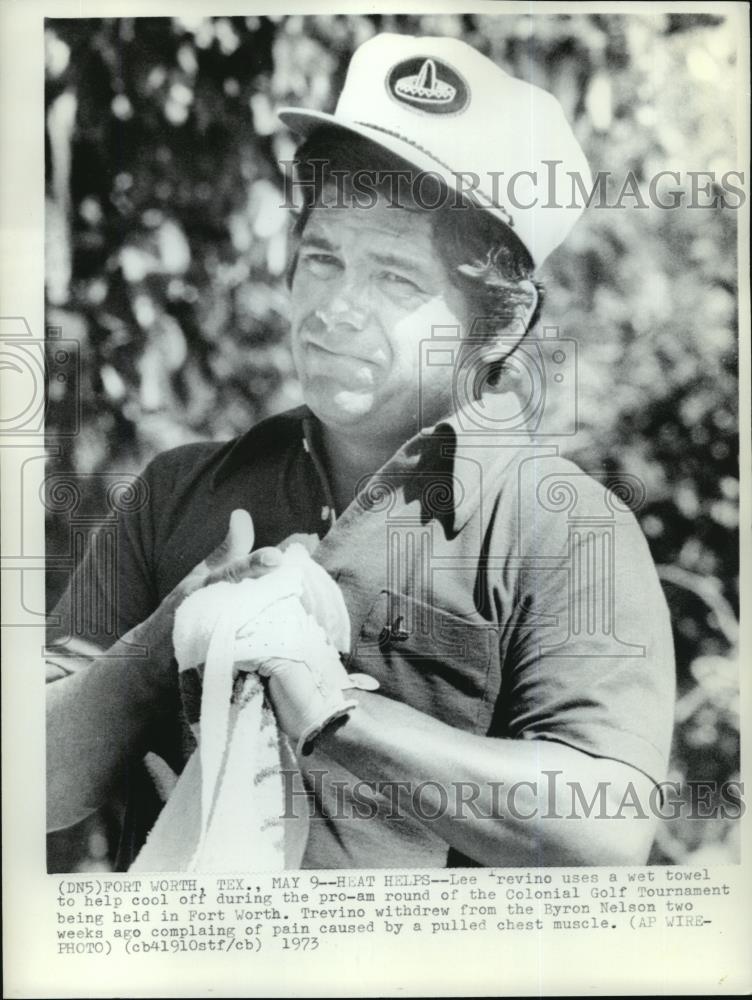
{"x":483,"y":257}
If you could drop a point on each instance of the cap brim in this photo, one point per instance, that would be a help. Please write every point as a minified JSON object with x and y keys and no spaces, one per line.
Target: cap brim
{"x":305,"y":122}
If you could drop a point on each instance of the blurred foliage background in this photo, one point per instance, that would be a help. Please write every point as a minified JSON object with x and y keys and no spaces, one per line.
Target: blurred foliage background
{"x":167,"y":243}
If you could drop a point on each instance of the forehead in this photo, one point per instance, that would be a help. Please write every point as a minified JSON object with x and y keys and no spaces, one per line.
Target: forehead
{"x":377,"y":225}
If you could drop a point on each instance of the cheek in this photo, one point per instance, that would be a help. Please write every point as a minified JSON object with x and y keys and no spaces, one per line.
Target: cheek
{"x":307,"y":293}
{"x":299,"y":296}
{"x":413,"y":332}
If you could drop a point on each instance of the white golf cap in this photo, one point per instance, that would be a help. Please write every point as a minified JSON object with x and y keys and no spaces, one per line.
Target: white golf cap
{"x":445,"y":108}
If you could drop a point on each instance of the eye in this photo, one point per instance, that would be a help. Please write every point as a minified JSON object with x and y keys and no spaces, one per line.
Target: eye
{"x":320,"y":263}
{"x":399,"y":281}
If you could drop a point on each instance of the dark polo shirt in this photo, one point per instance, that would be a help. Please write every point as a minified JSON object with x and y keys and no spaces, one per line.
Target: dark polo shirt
{"x":490,"y":584}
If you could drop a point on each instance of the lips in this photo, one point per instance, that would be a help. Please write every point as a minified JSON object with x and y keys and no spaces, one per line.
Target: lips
{"x":339,"y":367}
{"x":341,"y":355}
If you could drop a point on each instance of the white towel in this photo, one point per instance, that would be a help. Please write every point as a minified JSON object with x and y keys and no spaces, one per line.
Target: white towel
{"x":229,"y":810}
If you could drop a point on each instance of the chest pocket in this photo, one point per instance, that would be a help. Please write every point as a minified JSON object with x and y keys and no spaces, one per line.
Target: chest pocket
{"x":440,"y":663}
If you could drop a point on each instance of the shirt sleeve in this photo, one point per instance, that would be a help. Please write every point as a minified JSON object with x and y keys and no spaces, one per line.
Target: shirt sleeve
{"x":111,"y":588}
{"x":588,"y":657}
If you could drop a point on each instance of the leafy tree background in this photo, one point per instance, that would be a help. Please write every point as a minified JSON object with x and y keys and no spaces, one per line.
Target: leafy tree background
{"x":167,"y":243}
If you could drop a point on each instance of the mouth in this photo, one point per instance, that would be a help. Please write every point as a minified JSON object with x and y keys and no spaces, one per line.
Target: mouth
{"x":339,"y":355}
{"x":342,"y":369}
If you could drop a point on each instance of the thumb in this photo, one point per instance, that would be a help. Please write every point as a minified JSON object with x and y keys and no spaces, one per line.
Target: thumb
{"x":237,"y":542}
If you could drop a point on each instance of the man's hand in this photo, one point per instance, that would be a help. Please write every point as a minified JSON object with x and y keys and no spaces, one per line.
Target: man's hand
{"x":293,"y":642}
{"x":230,"y":561}
{"x":307,"y":699}
{"x":306,"y":681}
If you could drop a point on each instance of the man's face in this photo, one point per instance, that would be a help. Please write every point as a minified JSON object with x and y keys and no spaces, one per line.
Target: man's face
{"x":368,"y":288}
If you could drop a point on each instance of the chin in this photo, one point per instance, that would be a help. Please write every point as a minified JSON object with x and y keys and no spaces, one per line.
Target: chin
{"x":341,"y":408}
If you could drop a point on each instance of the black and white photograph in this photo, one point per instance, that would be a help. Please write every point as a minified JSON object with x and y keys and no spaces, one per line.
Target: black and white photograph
{"x":383,"y":429}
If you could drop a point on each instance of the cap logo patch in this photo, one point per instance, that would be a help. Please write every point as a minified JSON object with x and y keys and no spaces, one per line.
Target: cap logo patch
{"x":424,"y":83}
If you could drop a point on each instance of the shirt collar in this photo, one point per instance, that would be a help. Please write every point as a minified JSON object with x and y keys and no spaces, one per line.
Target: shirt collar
{"x":281,"y":430}
{"x":486,"y":433}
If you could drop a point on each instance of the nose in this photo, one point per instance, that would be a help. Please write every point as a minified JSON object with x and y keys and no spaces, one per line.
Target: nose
{"x":347,"y":306}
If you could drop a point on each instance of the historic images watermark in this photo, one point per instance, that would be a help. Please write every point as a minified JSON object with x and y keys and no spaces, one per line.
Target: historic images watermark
{"x":550,"y":798}
{"x":547,"y":188}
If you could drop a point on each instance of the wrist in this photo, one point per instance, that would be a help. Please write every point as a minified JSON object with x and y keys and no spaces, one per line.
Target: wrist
{"x":350,"y":731}
{"x":304,"y":706}
{"x":148,"y":651}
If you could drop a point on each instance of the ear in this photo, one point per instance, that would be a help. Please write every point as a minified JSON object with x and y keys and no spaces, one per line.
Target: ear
{"x":506,"y":340}
{"x":491,"y":374}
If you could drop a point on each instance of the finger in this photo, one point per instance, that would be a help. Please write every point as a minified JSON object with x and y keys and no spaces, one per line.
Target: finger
{"x":309,"y":542}
{"x":248,"y":567}
{"x":237,"y":542}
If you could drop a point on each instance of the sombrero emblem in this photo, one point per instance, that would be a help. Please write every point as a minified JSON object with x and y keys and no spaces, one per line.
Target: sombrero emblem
{"x":425,"y":83}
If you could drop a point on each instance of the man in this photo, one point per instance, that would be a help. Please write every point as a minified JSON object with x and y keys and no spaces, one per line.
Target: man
{"x":505,"y":603}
